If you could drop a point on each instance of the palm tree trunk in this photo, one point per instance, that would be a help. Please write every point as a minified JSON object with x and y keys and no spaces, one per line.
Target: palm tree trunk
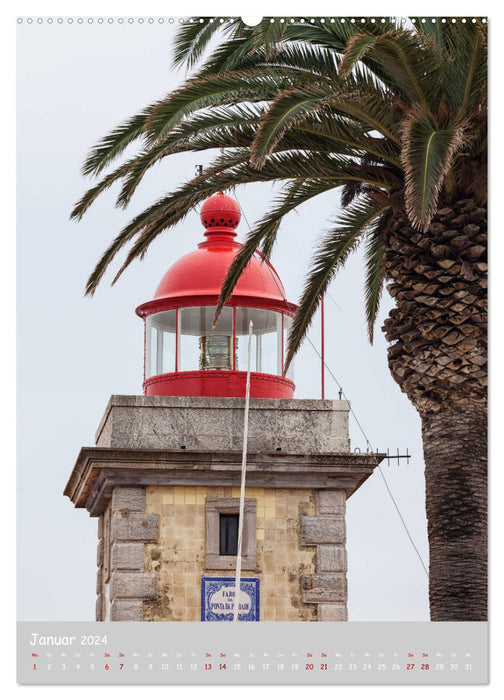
{"x":438,"y":332}
{"x":455,"y":446}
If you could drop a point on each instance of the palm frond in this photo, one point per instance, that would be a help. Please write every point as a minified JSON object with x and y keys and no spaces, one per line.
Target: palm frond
{"x":264,"y":233}
{"x":466,"y":70}
{"x":312,"y":61}
{"x":343,"y":130}
{"x":231,"y":55}
{"x":93,"y":193}
{"x":364,"y":105}
{"x":114,"y":143}
{"x":195,"y":133}
{"x":228,"y":170}
{"x":225,"y":130}
{"x":371,"y":107}
{"x":413,"y":60}
{"x":194,"y":37}
{"x":336,"y":35}
{"x":123,"y":237}
{"x":374,"y":254}
{"x":289,"y":109}
{"x":424,"y":25}
{"x":168,"y":210}
{"x":289,"y":199}
{"x":234,"y":127}
{"x":268,"y":34}
{"x":217,"y":90}
{"x":355,"y":50}
{"x":427,"y":156}
{"x":254,"y":83}
{"x":349,"y":192}
{"x":332,"y":254}
{"x":269,"y":38}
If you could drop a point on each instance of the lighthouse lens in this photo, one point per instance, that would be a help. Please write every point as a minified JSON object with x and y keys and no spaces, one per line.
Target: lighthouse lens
{"x":216,"y":352}
{"x":203,"y":347}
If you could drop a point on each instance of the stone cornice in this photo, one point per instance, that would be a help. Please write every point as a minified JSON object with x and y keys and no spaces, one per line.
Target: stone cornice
{"x":98,"y":470}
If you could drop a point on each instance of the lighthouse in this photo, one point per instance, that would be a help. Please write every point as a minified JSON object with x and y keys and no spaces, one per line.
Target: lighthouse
{"x":185,"y":355}
{"x":163,"y":479}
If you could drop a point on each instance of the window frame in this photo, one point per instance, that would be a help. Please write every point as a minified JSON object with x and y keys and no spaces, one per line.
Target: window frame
{"x":230,"y":506}
{"x":229,"y":542}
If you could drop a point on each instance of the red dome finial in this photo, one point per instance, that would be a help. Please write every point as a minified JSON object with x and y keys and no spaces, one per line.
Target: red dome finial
{"x":220,"y":211}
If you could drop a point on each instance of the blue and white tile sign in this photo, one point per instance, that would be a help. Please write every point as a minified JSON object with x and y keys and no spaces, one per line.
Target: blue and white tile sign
{"x":218,"y":595}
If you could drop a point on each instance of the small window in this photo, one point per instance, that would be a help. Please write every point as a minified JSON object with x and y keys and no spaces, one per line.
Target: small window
{"x":228,"y":534}
{"x":222,"y":533}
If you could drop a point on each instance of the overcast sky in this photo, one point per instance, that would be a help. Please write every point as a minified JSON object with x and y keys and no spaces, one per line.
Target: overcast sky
{"x":75,"y":83}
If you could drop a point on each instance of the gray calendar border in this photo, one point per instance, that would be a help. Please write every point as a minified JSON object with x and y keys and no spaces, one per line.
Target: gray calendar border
{"x":158,"y":638}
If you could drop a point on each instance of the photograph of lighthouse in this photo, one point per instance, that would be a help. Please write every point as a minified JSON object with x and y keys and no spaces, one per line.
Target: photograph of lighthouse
{"x":252,"y":320}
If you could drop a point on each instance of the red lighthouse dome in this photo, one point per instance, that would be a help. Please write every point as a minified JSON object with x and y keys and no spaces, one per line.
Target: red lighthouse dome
{"x":184,"y":354}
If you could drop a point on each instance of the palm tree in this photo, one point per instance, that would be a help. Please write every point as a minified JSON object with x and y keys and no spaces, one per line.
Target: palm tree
{"x":395,"y":118}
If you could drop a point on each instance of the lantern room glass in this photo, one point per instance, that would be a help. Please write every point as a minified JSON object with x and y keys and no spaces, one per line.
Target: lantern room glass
{"x":287,"y":323}
{"x":183,"y":340}
{"x":266,"y":351}
{"x":160,"y":343}
{"x":202,"y":347}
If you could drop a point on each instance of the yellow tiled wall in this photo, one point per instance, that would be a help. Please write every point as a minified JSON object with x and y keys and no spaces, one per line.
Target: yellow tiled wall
{"x":179,"y":557}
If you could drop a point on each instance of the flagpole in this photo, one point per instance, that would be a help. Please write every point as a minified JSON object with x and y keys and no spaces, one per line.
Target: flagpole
{"x":242,"y":485}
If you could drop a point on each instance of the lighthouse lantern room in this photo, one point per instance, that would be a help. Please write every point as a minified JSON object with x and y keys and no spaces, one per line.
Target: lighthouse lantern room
{"x":186,"y":353}
{"x":163,"y":479}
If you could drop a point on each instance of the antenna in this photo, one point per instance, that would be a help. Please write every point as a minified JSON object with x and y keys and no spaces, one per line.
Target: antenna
{"x":390,"y":456}
{"x":398,"y":456}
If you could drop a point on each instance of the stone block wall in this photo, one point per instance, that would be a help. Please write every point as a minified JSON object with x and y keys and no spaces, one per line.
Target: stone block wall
{"x":123,"y":530}
{"x":152,"y":553}
{"x":296,"y":426}
{"x":178,"y":558}
{"x":328,"y":586}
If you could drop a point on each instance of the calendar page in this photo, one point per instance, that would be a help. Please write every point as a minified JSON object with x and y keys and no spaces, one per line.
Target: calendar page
{"x":252,"y":343}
